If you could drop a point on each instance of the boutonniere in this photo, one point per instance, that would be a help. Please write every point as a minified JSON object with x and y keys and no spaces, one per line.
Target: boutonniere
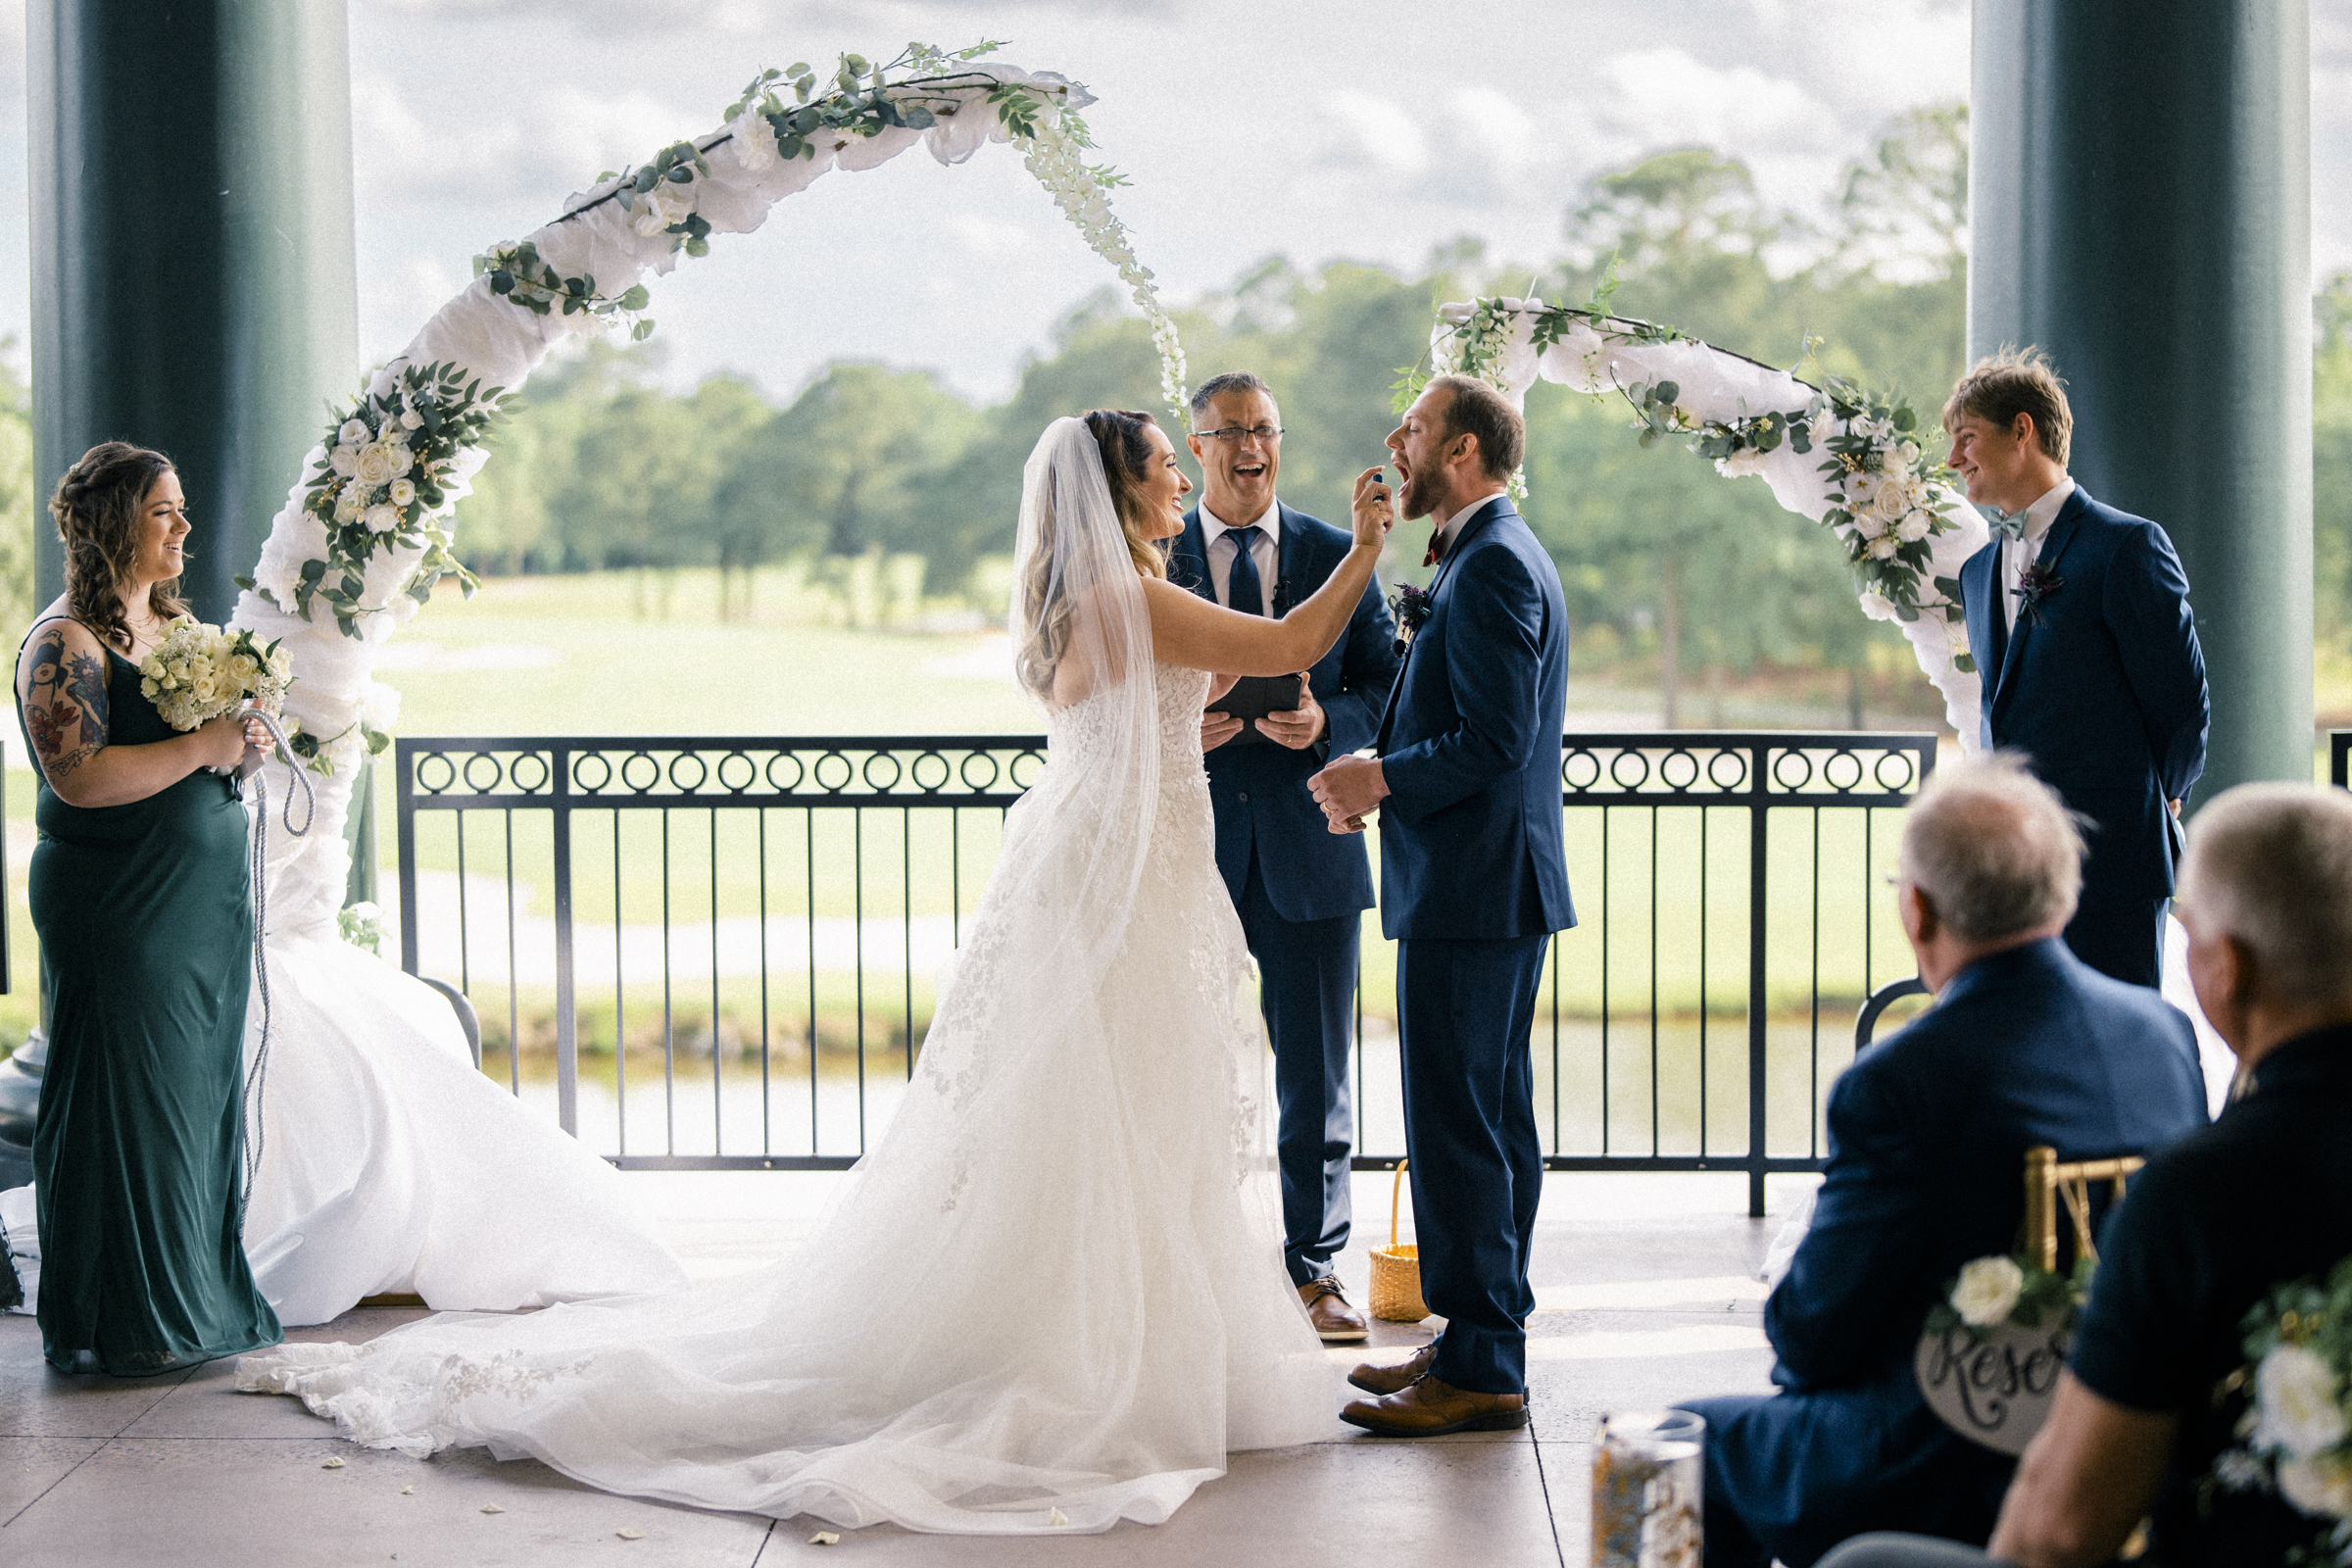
{"x":1411,"y":607}
{"x":2034,"y":586}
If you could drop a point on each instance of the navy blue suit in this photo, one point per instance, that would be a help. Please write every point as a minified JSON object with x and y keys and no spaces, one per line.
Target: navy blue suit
{"x":1300,"y":889}
{"x":1927,"y":1134}
{"x":1473,"y":883}
{"x":2102,"y":685}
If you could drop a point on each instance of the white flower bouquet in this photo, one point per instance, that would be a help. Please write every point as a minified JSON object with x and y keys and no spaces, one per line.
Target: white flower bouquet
{"x":198,"y":672}
{"x":2295,"y":1437}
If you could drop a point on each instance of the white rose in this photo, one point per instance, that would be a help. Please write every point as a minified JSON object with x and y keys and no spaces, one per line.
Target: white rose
{"x":2299,"y":1400}
{"x":404,"y":492}
{"x":1877,"y":607}
{"x":2322,"y":1485}
{"x":353,"y":433}
{"x":1906,"y":453}
{"x":403,"y":455}
{"x":1986,"y":1291}
{"x":1912,"y":529}
{"x":379,"y":704}
{"x":1890,"y":502}
{"x":410,"y":419}
{"x":383,"y":517}
{"x":754,"y":140}
{"x":377,"y":465}
{"x":1882,"y":548}
{"x":349,"y":503}
{"x":1744,"y":462}
{"x":665,"y":204}
{"x":1869,"y":524}
{"x":345,"y":459}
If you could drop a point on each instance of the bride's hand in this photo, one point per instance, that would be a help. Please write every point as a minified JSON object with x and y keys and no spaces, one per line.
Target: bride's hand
{"x":1373,"y":511}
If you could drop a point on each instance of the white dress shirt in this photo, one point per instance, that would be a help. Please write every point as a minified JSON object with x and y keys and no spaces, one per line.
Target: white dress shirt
{"x":1264,"y":550}
{"x":2019,"y":554}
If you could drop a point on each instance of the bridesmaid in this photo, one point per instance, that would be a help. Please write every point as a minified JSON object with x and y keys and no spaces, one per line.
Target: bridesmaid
{"x":140,"y":891}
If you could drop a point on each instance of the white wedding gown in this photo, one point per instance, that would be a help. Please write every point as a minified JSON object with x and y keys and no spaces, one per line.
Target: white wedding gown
{"x":1052,"y":1297}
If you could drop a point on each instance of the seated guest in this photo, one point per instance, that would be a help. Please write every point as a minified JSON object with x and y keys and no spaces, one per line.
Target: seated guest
{"x":1928,"y":1132}
{"x":2261,"y":1198}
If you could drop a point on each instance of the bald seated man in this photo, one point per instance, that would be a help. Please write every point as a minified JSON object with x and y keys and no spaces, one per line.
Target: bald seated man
{"x":2216,"y":1222}
{"x":2026,"y":1045}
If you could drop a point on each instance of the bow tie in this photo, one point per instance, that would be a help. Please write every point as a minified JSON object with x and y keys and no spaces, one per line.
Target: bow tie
{"x":2007,"y":524}
{"x":1436,"y":547}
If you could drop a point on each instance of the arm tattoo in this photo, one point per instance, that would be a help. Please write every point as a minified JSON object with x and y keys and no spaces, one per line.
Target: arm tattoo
{"x":64,"y":706}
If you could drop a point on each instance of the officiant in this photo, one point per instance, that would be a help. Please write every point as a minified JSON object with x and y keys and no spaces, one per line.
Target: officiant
{"x":1299,"y":888}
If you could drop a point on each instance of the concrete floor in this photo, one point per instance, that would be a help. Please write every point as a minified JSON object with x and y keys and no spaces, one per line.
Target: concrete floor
{"x":1646,"y":1294}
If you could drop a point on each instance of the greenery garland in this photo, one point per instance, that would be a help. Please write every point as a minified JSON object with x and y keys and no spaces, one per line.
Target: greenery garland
{"x":1887,"y":497}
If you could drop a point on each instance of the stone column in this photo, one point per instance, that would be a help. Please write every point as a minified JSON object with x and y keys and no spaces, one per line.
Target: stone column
{"x":2141,"y":206}
{"x":193,"y":281}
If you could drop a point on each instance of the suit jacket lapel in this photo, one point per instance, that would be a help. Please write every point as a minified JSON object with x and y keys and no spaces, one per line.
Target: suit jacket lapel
{"x":1487,"y":511}
{"x":2053,"y":546}
{"x":1192,"y":551}
{"x":1290,"y":561}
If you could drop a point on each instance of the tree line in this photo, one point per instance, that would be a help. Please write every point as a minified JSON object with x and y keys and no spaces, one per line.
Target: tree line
{"x":599,"y":468}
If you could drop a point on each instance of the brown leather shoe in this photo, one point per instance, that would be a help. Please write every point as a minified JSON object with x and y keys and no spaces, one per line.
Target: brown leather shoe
{"x":1432,"y":1408}
{"x":1395,"y":1379}
{"x":1328,"y":1310}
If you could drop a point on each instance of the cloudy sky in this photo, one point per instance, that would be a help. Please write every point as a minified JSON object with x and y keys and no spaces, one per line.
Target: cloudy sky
{"x":1374,"y":129}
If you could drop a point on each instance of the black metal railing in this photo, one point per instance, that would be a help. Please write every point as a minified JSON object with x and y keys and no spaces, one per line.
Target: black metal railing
{"x":732,"y":939}
{"x":2340,"y":757}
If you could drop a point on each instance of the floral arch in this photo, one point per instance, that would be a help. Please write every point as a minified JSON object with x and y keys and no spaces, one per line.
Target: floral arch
{"x":1840,"y":456}
{"x":365,"y":533}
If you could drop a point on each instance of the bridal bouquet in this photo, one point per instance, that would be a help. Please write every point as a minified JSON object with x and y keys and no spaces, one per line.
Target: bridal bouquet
{"x":199,"y":672}
{"x":2296,"y":1435}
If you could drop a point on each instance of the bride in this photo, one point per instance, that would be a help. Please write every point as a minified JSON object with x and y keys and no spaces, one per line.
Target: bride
{"x":1051,"y":1298}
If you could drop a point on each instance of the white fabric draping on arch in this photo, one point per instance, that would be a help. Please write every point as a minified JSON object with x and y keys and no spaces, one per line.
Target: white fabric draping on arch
{"x":1716,"y":385}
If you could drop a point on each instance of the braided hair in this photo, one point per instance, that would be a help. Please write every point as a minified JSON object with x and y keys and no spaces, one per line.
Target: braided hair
{"x":97,"y":506}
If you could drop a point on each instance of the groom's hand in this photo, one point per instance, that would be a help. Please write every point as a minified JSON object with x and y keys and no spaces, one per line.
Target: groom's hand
{"x":1301,"y":726}
{"x":1348,"y":789}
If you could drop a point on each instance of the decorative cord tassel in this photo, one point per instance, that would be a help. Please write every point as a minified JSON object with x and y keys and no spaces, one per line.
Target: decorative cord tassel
{"x":255,"y":1127}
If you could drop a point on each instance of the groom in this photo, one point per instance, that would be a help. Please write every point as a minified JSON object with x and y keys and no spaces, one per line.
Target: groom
{"x":1467,"y":777}
{"x":2080,"y":620}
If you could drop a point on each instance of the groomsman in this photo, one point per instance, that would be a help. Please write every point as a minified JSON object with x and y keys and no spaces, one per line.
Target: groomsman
{"x":2079,"y":620}
{"x":1467,"y":782}
{"x":1300,"y":892}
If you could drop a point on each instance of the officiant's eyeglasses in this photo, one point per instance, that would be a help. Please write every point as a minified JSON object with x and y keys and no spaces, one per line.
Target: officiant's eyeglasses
{"x":1264,"y":436}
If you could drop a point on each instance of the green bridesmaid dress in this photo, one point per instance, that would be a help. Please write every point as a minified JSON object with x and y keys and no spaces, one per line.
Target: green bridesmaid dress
{"x":145,"y":914}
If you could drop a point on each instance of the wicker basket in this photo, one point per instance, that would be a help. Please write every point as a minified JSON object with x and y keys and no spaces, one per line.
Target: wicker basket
{"x":1396,"y":1270}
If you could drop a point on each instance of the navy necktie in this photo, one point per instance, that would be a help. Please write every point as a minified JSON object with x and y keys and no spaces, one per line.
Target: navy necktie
{"x":1243,"y":590}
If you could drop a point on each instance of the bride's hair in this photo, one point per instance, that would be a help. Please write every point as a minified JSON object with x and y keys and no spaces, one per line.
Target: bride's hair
{"x":1126,"y":463}
{"x":1058,"y":563}
{"x":97,"y":506}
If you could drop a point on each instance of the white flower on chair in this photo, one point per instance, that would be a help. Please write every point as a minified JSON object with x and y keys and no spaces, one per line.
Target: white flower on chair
{"x":1988,"y":1291}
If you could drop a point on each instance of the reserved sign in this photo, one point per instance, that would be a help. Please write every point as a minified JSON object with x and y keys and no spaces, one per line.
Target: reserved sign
{"x":1995,"y":1390}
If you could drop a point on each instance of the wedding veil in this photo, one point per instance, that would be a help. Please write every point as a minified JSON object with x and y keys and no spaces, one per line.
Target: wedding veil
{"x":1081,"y":640}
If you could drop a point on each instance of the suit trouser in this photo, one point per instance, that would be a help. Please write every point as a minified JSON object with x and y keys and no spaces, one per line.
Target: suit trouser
{"x":2123,"y":938}
{"x":1306,"y":988}
{"x":1466,"y":1006}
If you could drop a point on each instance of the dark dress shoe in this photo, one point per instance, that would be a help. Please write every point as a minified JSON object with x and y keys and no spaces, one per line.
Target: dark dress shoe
{"x":1328,"y":1310}
{"x":1431,"y":1408}
{"x":1395,"y":1379}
